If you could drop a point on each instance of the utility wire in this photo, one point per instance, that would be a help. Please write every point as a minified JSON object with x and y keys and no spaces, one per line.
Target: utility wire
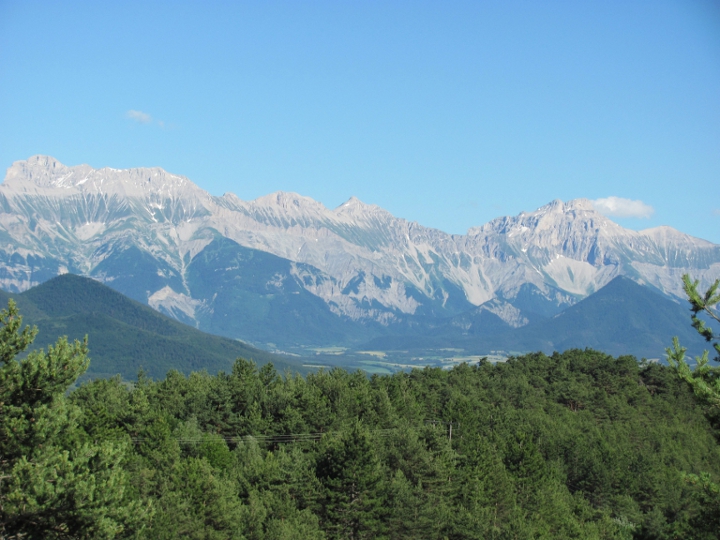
{"x":272,"y":439}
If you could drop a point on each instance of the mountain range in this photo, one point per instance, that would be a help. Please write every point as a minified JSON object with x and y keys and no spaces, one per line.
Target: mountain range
{"x":283,"y":271}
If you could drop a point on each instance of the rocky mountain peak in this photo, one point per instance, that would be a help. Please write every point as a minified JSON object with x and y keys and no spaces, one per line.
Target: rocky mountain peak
{"x":356,"y":209}
{"x":44,"y":175}
{"x":665,"y":234}
{"x":577,"y":214}
{"x":37,"y":172}
{"x":581,"y":204}
{"x":573,"y":207}
{"x":557,"y":209}
{"x":289,"y":203}
{"x":285,"y":199}
{"x":352,"y":202}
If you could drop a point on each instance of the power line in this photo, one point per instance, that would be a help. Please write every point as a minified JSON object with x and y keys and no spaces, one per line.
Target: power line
{"x":440,"y":422}
{"x":288,"y":438}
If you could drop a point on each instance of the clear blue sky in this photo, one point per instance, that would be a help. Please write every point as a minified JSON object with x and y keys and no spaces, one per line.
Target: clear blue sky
{"x":448,"y":113}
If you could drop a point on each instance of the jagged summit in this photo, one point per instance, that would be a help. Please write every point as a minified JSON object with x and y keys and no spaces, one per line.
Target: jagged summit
{"x":80,"y":200}
{"x":352,"y":202}
{"x":552,"y":215}
{"x":38,"y":171}
{"x":355,"y":208}
{"x":558,"y":205}
{"x":582,"y":204}
{"x":46,"y":175}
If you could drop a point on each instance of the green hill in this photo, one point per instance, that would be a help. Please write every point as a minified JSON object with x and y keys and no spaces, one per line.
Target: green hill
{"x":621,"y":318}
{"x":124,"y":335}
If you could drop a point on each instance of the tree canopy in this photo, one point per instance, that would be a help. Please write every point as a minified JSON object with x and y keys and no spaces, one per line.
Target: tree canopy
{"x":571,"y":445}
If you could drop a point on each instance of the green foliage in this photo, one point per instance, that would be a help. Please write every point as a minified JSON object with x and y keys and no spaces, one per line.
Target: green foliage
{"x":707,"y":523}
{"x":705,"y":379}
{"x":705,"y":382}
{"x":573,"y":445}
{"x":350,"y":475}
{"x":53,"y":482}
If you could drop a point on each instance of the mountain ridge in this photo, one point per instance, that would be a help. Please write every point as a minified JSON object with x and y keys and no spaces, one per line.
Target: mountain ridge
{"x":139,"y":231}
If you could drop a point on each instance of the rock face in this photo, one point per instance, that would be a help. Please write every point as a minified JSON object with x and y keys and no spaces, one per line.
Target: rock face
{"x":162,"y":240}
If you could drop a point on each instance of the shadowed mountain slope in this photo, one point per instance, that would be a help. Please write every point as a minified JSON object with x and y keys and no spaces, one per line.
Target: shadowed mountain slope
{"x":124,"y":335}
{"x":621,"y":318}
{"x":254,"y":293}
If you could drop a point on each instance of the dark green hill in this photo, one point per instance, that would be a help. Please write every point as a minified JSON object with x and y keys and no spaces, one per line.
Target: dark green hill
{"x":125,"y":335}
{"x":621,"y":318}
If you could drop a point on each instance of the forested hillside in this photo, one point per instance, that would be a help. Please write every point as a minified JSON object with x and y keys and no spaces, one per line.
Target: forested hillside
{"x":127,"y":336}
{"x":573,"y":445}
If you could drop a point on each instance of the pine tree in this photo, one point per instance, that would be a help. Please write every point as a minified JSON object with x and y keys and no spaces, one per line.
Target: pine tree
{"x":349,"y":471}
{"x":704,"y":379}
{"x":54,"y":483}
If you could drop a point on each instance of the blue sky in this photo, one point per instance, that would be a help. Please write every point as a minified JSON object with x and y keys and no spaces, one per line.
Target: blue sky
{"x":446,"y":113}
